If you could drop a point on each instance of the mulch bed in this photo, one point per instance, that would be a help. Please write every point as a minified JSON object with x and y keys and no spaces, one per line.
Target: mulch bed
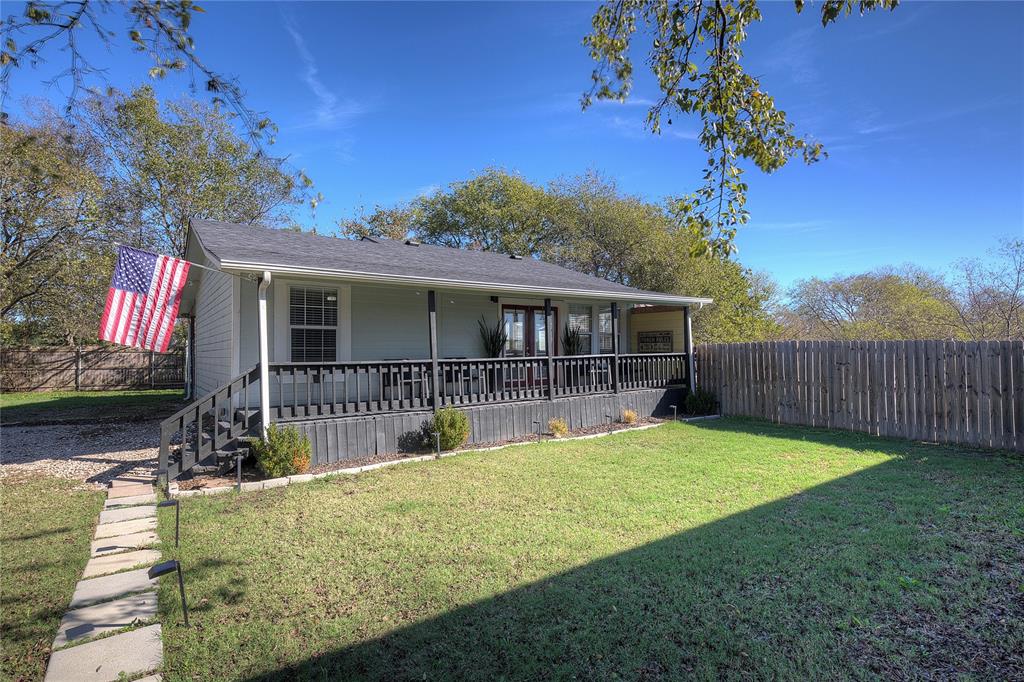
{"x":251,"y":473}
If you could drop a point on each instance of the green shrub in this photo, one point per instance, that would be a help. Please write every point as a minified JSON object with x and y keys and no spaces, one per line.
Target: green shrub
{"x":558,"y":427}
{"x":451,"y":424}
{"x":701,"y":402}
{"x":285,"y":452}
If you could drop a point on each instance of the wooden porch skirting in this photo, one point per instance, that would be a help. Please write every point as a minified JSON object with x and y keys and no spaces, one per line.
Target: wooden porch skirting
{"x":356,"y":437}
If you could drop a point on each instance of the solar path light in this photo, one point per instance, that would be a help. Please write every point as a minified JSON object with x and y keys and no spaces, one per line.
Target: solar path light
{"x":166,"y":567}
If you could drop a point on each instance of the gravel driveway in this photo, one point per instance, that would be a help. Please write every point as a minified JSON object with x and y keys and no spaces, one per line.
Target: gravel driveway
{"x":93,"y":453}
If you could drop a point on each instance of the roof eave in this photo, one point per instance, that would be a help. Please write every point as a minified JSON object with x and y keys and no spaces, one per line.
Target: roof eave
{"x":412,"y":280}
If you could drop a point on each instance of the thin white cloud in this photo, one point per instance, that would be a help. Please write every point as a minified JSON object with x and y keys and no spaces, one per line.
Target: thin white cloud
{"x":872,"y":127}
{"x":331,"y":111}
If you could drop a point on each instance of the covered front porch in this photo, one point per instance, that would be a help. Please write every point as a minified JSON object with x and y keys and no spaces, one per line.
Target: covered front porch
{"x":303,"y":333}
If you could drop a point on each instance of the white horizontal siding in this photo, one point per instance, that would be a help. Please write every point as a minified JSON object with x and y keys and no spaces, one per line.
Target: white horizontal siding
{"x":389,"y":323}
{"x":458,"y":330}
{"x":214,"y":317}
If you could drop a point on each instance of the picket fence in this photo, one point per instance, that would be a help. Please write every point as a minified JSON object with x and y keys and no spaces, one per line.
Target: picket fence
{"x":969,"y":393}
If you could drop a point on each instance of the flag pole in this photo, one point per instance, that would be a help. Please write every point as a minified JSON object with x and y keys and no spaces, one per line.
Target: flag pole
{"x":247,"y":276}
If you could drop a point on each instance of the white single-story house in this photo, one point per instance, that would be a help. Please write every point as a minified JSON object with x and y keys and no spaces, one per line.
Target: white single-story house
{"x":357,"y":341}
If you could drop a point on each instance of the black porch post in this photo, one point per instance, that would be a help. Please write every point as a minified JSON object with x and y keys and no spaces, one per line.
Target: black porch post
{"x":615,"y":346}
{"x":688,"y":347}
{"x":550,"y":346}
{"x":437,"y":379}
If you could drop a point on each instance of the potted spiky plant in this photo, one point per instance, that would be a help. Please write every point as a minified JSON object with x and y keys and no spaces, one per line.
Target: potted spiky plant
{"x":494,"y":339}
{"x":572,"y":340}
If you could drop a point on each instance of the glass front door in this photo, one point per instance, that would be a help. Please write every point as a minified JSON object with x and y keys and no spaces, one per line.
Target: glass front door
{"x":526,"y":327}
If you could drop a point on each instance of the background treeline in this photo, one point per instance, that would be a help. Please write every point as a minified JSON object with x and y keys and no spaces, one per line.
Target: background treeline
{"x":131,"y":170}
{"x":586,"y":223}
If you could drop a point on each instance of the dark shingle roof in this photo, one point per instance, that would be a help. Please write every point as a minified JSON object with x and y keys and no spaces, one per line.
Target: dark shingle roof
{"x":240,"y":246}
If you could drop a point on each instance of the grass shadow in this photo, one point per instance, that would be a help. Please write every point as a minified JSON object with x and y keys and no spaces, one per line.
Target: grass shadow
{"x":899,"y":570}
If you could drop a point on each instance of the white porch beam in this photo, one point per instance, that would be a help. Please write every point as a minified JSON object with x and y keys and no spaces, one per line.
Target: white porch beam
{"x":264,"y":353}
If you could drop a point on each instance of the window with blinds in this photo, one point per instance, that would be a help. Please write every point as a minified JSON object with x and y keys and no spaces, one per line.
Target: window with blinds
{"x":581,"y":319}
{"x":313,"y":321}
{"x":604,"y":325}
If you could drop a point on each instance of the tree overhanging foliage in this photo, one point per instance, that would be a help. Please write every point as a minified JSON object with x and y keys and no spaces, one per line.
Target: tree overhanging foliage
{"x":696,"y":55}
{"x":160,"y":29}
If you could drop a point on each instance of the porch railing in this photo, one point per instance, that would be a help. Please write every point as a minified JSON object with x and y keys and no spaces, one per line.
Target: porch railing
{"x":644,"y":370}
{"x":307,"y":390}
{"x":210,"y":423}
{"x":312,"y":390}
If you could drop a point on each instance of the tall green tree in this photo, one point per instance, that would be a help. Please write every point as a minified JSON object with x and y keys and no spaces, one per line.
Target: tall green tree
{"x":695,"y":52}
{"x":54,"y":212}
{"x":184,"y":160}
{"x":588,"y":224}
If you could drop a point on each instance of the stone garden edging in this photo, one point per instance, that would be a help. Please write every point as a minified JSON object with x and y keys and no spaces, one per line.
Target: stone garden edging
{"x":174,"y":492}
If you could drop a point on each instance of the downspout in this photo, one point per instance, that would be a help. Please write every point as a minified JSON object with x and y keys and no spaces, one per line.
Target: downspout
{"x":264,"y":354}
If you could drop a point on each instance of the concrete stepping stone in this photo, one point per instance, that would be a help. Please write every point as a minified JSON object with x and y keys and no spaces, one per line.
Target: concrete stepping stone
{"x":112,"y":563}
{"x":133,"y":480}
{"x":129,"y":501}
{"x":127,"y":514}
{"x":120,"y":491}
{"x":105,"y":617}
{"x":123,"y":543}
{"x":111,"y":587}
{"x":132,"y":653}
{"x":109,"y":530}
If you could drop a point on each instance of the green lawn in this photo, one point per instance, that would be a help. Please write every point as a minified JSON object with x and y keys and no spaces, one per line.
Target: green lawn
{"x":718,"y":549}
{"x":45,"y":528}
{"x":67,"y":405}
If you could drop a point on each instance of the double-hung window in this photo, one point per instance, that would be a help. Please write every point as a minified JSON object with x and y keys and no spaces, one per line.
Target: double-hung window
{"x":313,"y":324}
{"x":604,"y":326}
{"x":580,"y":320}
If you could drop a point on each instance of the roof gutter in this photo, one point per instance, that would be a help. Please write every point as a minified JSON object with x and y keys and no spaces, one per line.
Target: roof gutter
{"x":412,"y":280}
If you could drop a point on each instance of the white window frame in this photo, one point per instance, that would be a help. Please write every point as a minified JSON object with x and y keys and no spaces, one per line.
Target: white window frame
{"x":336,"y":327}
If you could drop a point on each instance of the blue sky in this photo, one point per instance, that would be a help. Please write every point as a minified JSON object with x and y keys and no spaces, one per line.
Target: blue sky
{"x":922,"y":111}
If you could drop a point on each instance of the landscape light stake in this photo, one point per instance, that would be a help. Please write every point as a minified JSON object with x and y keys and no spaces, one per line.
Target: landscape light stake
{"x":165,"y":568}
{"x":177,"y":516}
{"x":437,"y":442}
{"x":238,"y":473}
{"x":539,"y":436}
{"x":673,"y":412}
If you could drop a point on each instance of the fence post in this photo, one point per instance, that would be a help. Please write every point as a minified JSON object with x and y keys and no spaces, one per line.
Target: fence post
{"x":152,"y":379}
{"x":78,"y":368}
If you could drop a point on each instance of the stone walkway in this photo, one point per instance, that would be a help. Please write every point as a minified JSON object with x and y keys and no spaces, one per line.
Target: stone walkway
{"x":115,"y":593}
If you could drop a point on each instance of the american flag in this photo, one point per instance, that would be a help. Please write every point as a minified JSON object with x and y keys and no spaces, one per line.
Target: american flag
{"x":143,"y":300}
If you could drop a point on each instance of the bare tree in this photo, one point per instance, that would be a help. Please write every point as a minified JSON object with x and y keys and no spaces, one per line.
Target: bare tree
{"x":989,"y":294}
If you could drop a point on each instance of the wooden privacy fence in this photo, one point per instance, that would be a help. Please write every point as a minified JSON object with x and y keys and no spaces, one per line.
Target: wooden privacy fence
{"x":942,"y":391}
{"x":89,"y":368}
